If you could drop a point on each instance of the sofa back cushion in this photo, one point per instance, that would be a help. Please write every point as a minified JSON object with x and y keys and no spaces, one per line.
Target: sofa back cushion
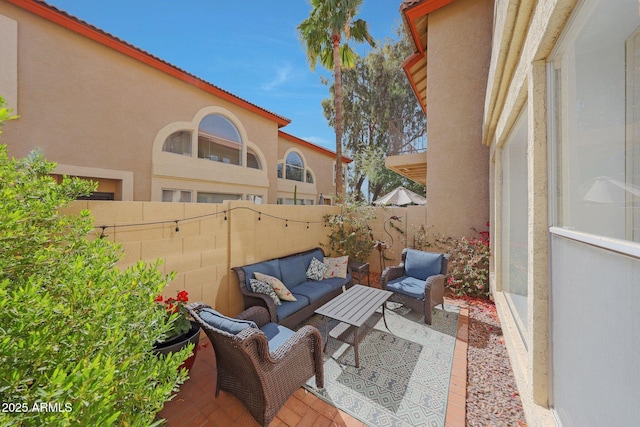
{"x":270,"y":268}
{"x":315,"y":253}
{"x":420,"y":264}
{"x":293,"y":271}
{"x":224,"y":323}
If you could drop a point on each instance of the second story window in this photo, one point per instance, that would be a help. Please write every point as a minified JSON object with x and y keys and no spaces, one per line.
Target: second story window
{"x":219,"y":140}
{"x":295,"y":167}
{"x":179,"y":143}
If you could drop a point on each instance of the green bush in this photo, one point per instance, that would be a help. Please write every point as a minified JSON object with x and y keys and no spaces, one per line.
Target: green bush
{"x":468,"y":272}
{"x":350,"y":233}
{"x":76,"y":332}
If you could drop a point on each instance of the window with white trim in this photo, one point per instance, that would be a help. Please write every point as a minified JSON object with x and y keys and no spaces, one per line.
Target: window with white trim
{"x":219,"y":140}
{"x":173,"y":195}
{"x":179,"y":143}
{"x":595,"y":93}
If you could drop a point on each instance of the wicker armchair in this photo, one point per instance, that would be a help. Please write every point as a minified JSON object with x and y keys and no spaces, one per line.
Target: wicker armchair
{"x":262,"y":378}
{"x":418,"y":282}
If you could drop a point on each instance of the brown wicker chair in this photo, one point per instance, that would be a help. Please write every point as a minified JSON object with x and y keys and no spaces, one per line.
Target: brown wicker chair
{"x":416,"y":286}
{"x":261,"y":379}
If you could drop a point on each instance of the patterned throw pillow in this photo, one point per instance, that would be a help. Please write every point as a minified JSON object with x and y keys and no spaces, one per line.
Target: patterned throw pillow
{"x":279,"y":287}
{"x":337,"y":267}
{"x":316,"y":269}
{"x":264,"y":288}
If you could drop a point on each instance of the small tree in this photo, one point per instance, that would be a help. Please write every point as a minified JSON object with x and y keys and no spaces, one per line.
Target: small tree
{"x":350,"y":233}
{"x":77,"y":333}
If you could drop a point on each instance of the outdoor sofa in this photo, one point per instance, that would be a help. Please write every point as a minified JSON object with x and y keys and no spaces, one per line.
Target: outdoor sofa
{"x":292,"y":271}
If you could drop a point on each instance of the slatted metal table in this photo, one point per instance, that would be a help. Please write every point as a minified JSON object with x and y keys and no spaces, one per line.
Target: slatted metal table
{"x":353,"y":308}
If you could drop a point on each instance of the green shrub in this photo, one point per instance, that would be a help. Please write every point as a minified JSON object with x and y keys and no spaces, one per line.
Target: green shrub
{"x":76,"y":333}
{"x":468,"y":273}
{"x":350,"y":233}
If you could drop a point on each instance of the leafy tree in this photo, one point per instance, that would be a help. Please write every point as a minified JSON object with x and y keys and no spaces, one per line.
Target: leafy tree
{"x":376,"y":94}
{"x":76,"y":332}
{"x":326,"y":34}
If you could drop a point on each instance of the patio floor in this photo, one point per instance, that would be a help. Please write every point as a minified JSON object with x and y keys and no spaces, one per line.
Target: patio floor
{"x":196,"y":405}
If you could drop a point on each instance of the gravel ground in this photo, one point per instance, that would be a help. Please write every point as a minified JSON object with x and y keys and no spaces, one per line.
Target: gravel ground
{"x":492,"y":395}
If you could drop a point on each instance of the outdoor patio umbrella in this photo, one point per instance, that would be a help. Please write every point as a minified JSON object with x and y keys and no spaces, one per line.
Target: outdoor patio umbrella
{"x":400,"y":197}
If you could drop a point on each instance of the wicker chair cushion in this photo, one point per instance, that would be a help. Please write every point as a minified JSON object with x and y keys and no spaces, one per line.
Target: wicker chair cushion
{"x":264,"y":288}
{"x":224,"y":323}
{"x":408,"y":286}
{"x":276,"y":335}
{"x":293,"y":271}
{"x":316,"y":269}
{"x":421,"y":264}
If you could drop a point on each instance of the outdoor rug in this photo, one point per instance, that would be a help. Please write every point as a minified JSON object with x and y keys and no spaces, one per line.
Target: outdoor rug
{"x":404,"y":375}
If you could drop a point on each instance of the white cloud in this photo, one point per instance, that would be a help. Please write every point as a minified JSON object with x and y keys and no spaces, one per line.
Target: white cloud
{"x":282,"y":75}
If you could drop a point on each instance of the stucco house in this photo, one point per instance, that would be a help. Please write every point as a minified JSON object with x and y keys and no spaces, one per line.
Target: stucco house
{"x":143,"y":128}
{"x":559,"y":129}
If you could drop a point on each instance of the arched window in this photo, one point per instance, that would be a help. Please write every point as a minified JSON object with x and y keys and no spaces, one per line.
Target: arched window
{"x":253,"y":161}
{"x":219,"y":140}
{"x":295,"y":167}
{"x":179,"y":143}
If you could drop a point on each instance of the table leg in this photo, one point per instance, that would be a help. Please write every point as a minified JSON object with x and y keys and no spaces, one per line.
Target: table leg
{"x":326,"y":333}
{"x":384,"y":316}
{"x":355,"y":347}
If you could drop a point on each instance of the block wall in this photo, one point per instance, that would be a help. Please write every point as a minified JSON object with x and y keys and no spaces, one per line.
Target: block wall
{"x":206,"y":246}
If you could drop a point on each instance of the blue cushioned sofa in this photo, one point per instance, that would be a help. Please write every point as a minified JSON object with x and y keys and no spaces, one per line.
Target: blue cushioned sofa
{"x":292,"y":271}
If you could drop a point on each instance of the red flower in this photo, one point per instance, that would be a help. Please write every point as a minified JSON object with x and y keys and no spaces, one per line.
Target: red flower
{"x":183,"y":296}
{"x":158,"y":298}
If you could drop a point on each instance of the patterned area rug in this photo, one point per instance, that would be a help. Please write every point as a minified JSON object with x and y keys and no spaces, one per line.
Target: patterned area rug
{"x":404,"y":373}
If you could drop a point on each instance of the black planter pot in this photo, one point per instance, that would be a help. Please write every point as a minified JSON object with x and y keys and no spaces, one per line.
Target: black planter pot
{"x":176,"y":344}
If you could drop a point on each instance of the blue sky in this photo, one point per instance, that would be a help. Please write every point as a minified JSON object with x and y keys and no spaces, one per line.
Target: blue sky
{"x":249,"y":48}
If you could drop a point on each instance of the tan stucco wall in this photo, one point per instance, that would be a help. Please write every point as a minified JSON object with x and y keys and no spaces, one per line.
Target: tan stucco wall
{"x":525,"y":33}
{"x":89,"y":107}
{"x":457,"y":69}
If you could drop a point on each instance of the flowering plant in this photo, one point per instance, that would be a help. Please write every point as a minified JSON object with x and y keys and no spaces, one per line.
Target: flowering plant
{"x":177,"y":313}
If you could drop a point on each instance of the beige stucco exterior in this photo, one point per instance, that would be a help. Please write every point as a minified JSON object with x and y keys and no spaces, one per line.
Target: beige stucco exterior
{"x":453,"y":43}
{"x":103,"y":109}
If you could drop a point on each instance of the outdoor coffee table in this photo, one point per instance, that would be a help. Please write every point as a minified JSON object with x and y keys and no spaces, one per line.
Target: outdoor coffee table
{"x":353,"y":309}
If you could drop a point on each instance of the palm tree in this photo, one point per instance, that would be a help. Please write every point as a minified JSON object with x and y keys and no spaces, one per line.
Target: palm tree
{"x":329,"y":24}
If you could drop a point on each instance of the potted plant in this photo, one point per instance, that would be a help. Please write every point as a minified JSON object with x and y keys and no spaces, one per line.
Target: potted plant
{"x":184,"y":331}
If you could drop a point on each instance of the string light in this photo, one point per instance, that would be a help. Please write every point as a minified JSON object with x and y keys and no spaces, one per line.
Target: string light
{"x":103,"y":228}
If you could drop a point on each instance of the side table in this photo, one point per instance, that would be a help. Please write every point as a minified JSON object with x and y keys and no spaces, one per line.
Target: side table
{"x":360,"y":270}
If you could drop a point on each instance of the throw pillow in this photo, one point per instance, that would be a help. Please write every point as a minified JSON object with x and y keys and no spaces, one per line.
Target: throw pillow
{"x":277,"y":285}
{"x":337,"y":267}
{"x":316,"y":269}
{"x":264,"y":288}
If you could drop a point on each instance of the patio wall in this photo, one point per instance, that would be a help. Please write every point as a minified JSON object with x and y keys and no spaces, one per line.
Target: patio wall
{"x":206,"y":246}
